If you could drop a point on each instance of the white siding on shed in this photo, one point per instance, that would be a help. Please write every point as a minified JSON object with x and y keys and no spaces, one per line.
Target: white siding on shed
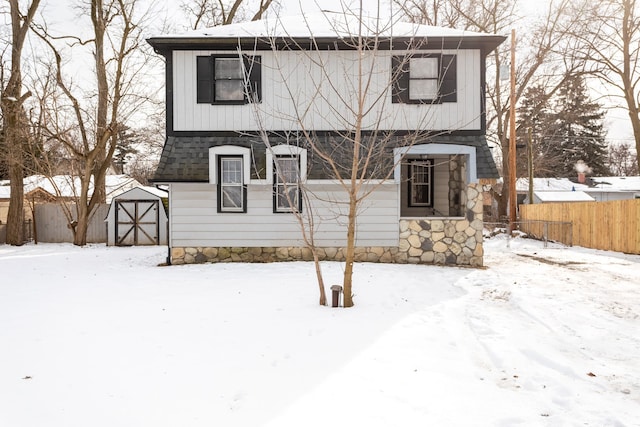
{"x":195,"y":221}
{"x":290,"y":80}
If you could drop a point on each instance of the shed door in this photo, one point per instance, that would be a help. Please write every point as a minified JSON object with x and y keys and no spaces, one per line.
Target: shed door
{"x":137,"y":222}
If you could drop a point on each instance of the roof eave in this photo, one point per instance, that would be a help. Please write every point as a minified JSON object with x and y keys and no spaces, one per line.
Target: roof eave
{"x":486,"y":43}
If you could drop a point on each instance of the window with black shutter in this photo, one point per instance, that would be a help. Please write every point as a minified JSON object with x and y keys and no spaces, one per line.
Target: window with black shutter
{"x":424,"y":78}
{"x":228,"y":79}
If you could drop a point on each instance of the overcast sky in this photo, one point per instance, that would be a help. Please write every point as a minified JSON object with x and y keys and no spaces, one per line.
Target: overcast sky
{"x":60,"y":12}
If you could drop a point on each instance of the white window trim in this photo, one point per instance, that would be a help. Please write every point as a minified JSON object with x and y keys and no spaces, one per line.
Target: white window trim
{"x":229,"y":150}
{"x":286,"y":150}
{"x":449,"y":149}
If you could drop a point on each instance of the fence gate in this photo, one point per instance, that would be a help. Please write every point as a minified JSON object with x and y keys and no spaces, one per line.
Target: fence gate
{"x":137,"y":222}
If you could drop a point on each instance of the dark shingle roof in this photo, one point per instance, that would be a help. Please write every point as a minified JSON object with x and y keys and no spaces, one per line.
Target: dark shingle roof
{"x":186,"y":158}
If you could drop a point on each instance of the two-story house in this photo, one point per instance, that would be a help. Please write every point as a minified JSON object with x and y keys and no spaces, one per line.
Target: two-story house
{"x":254,"y":108}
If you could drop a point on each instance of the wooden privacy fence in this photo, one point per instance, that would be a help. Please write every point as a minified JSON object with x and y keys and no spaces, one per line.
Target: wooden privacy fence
{"x":611,"y":226}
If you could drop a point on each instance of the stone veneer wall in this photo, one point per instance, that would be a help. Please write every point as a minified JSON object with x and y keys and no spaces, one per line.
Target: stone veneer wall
{"x":451,"y":241}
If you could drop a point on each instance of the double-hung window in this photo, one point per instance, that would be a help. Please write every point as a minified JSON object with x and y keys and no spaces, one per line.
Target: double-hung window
{"x":231,"y":187}
{"x":421,"y":183}
{"x":286,"y":183}
{"x":424,"y":78}
{"x":228,"y":79}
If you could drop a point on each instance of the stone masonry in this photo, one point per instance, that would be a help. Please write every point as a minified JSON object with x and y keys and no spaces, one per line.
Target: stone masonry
{"x":443,"y":241}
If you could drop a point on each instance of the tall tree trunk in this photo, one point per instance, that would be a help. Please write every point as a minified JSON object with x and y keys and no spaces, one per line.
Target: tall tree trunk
{"x":15,"y":121}
{"x":99,"y":29}
{"x":15,"y":145}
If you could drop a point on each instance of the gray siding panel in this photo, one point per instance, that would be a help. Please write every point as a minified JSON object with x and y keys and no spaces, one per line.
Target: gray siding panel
{"x":196,"y":222}
{"x":290,"y":82}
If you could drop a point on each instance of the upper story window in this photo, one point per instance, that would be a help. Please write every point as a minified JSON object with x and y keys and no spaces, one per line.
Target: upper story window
{"x":424,"y":78}
{"x":228,"y":79}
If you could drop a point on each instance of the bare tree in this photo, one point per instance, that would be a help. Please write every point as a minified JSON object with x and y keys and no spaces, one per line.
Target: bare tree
{"x":16,"y":133}
{"x":623,"y":161}
{"x":608,"y":39}
{"x":358,"y":154}
{"x":210,"y":13}
{"x":89,"y":131}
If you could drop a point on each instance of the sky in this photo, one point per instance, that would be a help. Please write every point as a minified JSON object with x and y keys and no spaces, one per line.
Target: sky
{"x":99,"y":336}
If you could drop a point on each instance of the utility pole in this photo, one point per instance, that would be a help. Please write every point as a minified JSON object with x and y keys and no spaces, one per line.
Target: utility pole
{"x":513,"y":196}
{"x":530,"y":163}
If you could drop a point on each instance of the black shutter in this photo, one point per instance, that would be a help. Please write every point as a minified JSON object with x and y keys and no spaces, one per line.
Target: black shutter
{"x":204,"y":71}
{"x":448,"y":86}
{"x":400,"y":76}
{"x":253,"y":65}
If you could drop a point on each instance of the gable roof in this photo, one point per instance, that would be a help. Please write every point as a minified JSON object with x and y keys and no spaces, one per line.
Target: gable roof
{"x":326,"y":28}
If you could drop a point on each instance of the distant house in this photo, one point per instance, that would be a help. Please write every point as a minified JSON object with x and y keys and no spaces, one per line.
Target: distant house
{"x":600,"y":189}
{"x":39,"y":190}
{"x":227,"y":86}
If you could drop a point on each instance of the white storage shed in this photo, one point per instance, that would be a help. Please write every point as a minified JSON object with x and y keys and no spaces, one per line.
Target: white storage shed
{"x":137,"y":217}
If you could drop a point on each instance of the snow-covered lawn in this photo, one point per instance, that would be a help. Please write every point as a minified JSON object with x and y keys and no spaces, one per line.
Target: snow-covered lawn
{"x":101,"y":336}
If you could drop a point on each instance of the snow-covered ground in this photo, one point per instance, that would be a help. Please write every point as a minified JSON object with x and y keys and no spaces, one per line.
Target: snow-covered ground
{"x":103,"y":336}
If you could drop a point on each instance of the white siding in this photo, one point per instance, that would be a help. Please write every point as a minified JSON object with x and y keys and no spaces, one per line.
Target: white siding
{"x":195,"y":221}
{"x":294,"y":86}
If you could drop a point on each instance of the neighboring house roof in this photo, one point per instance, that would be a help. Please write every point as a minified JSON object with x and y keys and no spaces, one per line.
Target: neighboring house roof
{"x":562,"y":196}
{"x":549,"y":184}
{"x":186,"y":159}
{"x":329,"y":26}
{"x":598,"y":184}
{"x":68,"y":187}
{"x":617,"y":183}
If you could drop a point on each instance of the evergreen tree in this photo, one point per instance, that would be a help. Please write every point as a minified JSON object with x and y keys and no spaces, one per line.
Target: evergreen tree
{"x":125,"y":148}
{"x":535,"y":114}
{"x":577,"y":131}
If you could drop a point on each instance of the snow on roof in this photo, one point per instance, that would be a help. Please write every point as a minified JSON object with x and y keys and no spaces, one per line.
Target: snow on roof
{"x":68,"y":187}
{"x":602,"y":184}
{"x":549,"y":184}
{"x":325,"y":24}
{"x":155,"y":191}
{"x":563,"y":196}
{"x":618,"y":183}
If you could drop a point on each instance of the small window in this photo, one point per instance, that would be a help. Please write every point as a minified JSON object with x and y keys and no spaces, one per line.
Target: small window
{"x":228,"y":79}
{"x":421,"y":183}
{"x":424,"y":78}
{"x":286,"y":183}
{"x":231,"y":188}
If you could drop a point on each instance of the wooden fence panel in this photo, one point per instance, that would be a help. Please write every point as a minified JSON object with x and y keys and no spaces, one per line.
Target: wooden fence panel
{"x":52,"y":226}
{"x":613,"y":226}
